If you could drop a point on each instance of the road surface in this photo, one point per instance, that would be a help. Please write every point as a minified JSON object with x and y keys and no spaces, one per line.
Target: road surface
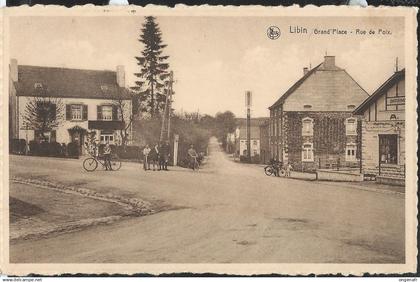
{"x":226,"y":213}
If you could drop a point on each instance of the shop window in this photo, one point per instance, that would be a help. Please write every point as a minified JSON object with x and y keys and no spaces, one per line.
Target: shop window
{"x":351,"y":152}
{"x":307,"y":152}
{"x":307,"y":127}
{"x":351,"y":126}
{"x":388,"y":149}
{"x":107,"y":137}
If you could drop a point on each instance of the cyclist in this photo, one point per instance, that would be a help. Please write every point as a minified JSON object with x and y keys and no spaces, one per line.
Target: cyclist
{"x":107,"y":156}
{"x":192,"y":154}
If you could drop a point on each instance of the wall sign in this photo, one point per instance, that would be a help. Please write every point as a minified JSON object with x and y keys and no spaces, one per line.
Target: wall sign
{"x":392,"y":101}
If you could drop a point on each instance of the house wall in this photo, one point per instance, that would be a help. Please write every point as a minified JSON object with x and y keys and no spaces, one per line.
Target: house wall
{"x":377,"y":121}
{"x":62,"y":134}
{"x":255,"y":147}
{"x":329,"y":139}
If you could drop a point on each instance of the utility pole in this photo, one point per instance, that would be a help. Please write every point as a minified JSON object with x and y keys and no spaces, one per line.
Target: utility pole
{"x":166,"y":117}
{"x":248,"y":97}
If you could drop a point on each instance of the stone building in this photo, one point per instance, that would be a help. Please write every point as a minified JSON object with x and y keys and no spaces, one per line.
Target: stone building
{"x":312,"y":124}
{"x":383,"y":130}
{"x":87,"y":99}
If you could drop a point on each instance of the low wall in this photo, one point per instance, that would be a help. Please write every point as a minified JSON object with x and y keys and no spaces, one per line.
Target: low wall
{"x":333,"y":175}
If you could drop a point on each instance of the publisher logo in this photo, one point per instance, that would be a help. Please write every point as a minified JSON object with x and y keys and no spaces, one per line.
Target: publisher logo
{"x":273,"y":32}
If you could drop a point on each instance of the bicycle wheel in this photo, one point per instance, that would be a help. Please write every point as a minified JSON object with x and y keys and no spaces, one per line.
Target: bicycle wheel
{"x":196,"y":166}
{"x":282,"y":172}
{"x":90,"y":164}
{"x":268,"y":170}
{"x":115,"y":164}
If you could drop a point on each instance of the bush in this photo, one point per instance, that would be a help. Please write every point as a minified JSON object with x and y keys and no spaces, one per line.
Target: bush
{"x":34,"y":148}
{"x":54,"y":149}
{"x":18,"y":146}
{"x":73,"y":150}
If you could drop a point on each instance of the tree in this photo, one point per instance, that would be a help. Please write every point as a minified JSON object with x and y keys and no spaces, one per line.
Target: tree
{"x":125,"y":113}
{"x":154,"y":74}
{"x":43,"y":114}
{"x":225,"y":123}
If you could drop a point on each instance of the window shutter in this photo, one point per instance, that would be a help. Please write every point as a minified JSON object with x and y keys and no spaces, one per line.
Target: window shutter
{"x":68,"y":112}
{"x":114,"y":112}
{"x":85,"y":112}
{"x":53,"y":136}
{"x":53,"y":111}
{"x":99,"y":111}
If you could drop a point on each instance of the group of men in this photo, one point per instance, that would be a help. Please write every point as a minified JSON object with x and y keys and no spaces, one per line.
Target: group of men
{"x":158,"y":156}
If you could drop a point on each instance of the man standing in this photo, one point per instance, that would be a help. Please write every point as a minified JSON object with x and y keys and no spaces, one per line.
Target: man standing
{"x":107,"y":156}
{"x":146,"y":152}
{"x":165,"y":150}
{"x":192,"y":154}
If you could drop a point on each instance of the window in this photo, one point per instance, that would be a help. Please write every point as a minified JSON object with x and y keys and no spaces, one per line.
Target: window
{"x":351,"y":126}
{"x":38,"y":85}
{"x":255,"y":142}
{"x":351,"y":152}
{"x":76,"y":112}
{"x":388,"y":149}
{"x":307,"y":107}
{"x":107,"y":112}
{"x":307,"y":127}
{"x":107,"y":137}
{"x":307,"y":152}
{"x":351,"y":107}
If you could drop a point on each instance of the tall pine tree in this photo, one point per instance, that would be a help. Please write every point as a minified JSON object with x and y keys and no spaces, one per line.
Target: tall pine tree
{"x":154,"y":74}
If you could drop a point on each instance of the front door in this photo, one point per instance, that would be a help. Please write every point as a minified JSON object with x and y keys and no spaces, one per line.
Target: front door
{"x":78,"y":138}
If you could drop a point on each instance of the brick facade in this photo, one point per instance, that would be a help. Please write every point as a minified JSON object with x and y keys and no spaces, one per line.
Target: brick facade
{"x":309,"y":123}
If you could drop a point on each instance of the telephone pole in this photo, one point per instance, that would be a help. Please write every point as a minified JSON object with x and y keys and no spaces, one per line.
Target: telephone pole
{"x":166,"y":117}
{"x":248,"y":97}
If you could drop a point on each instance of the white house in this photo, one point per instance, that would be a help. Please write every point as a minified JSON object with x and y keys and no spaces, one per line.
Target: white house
{"x":86,"y":99}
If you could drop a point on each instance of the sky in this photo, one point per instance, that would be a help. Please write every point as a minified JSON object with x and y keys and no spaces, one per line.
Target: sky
{"x":214,"y":59}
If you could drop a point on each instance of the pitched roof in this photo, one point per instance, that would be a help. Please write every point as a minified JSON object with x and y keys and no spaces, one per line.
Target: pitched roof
{"x":254,"y":121}
{"x":255,"y":132}
{"x":67,"y":83}
{"x":294,"y":87}
{"x":337,"y":87}
{"x":395,"y":78}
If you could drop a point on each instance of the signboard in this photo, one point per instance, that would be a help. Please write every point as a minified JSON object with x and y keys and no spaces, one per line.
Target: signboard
{"x":393,"y":101}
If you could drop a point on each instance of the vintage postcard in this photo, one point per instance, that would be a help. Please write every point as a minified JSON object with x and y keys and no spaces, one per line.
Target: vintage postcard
{"x":229,"y":140}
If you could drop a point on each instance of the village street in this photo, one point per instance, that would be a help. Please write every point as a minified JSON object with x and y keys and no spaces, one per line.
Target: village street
{"x":226,"y":213}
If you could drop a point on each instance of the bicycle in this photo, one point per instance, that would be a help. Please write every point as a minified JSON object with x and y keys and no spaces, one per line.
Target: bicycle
{"x":274,"y":168}
{"x":196,"y":164}
{"x":91,"y":164}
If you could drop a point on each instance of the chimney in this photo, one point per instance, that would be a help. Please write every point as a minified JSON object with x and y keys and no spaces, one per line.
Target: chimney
{"x":329,"y":62}
{"x":120,"y":76}
{"x":13,"y":70}
{"x":305,"y":70}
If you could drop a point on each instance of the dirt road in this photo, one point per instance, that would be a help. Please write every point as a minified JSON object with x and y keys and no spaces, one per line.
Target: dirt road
{"x":226,"y":213}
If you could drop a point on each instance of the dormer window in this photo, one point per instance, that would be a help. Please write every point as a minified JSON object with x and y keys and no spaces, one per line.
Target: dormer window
{"x":38,"y":85}
{"x":307,"y":107}
{"x":351,"y":107}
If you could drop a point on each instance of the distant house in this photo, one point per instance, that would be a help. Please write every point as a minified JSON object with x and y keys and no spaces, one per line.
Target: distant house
{"x":265,"y":142}
{"x":312,"y":125}
{"x":88,"y":98}
{"x":383,"y":130}
{"x":241,"y":138}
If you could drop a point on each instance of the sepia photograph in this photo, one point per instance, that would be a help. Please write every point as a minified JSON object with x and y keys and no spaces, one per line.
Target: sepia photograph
{"x":269,"y":140}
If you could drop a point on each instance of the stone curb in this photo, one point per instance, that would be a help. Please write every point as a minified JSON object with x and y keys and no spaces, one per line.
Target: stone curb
{"x":138,"y":206}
